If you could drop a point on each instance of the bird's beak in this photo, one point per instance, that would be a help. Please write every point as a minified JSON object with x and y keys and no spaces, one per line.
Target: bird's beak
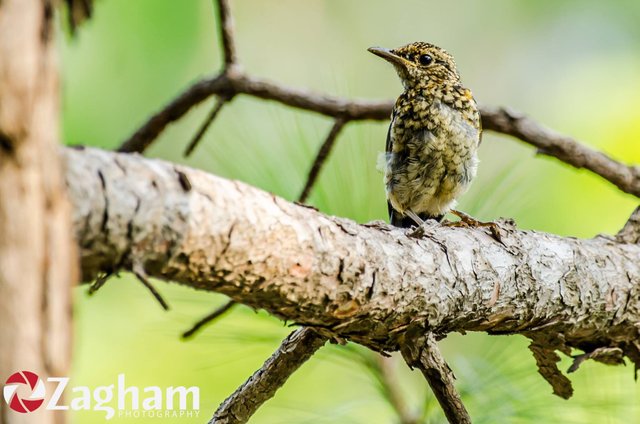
{"x":388,"y":55}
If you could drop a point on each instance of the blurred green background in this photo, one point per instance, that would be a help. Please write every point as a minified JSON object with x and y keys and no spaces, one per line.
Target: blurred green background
{"x":573,"y":65}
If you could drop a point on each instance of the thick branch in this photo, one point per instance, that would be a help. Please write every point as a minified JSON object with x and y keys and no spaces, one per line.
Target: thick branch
{"x":366,"y":283}
{"x":296,"y":349}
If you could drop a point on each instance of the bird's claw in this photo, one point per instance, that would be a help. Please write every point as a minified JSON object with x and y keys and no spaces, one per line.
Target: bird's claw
{"x":469,"y":221}
{"x":466,"y":221}
{"x":420,"y":230}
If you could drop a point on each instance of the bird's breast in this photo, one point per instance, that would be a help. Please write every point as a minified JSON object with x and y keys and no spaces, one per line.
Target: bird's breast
{"x":432,"y":157}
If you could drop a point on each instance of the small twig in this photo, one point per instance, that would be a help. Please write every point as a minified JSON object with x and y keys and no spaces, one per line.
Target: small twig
{"x":225,"y":20}
{"x":321,"y":157}
{"x":606,"y":355}
{"x":142,"y":138}
{"x":208,"y":319}
{"x":546,"y":360}
{"x":142,"y":277}
{"x":630,"y":233}
{"x":566,"y":149}
{"x":99,"y":283}
{"x":78,"y":12}
{"x":205,"y":125}
{"x":421,"y":351}
{"x":294,"y":351}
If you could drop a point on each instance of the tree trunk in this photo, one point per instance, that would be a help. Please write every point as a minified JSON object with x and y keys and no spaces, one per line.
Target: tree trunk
{"x":37,"y":254}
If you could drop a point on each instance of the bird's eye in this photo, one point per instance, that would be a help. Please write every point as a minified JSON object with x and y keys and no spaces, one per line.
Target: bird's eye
{"x":425,"y":59}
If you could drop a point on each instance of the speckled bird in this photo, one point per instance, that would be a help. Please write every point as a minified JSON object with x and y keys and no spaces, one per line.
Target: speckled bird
{"x":431,"y":153}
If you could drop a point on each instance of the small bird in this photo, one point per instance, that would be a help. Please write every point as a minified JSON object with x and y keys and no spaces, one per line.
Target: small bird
{"x":432,"y":142}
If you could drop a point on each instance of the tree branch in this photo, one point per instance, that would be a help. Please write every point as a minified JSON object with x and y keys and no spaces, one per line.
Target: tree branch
{"x":320,"y":159}
{"x":564,"y":148}
{"x":142,"y":277}
{"x":78,"y":11}
{"x":546,"y":359}
{"x":205,"y":125}
{"x":630,"y":233}
{"x":366,"y":283}
{"x":236,"y":82}
{"x":209,"y":318}
{"x":294,"y":351}
{"x":225,"y":21}
{"x":144,"y":136}
{"x":421,"y":351}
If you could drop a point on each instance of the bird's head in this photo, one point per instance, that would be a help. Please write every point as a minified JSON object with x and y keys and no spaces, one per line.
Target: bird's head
{"x":420,"y":64}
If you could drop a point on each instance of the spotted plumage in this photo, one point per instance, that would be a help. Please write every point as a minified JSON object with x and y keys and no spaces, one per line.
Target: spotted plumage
{"x":431,"y":152}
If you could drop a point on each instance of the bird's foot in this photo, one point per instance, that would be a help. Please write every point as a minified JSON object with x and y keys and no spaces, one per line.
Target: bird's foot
{"x":466,"y":221}
{"x":420,"y":230}
{"x":469,"y":221}
{"x":414,"y":216}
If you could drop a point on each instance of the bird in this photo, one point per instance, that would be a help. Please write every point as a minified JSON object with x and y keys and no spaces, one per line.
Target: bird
{"x":432,"y":142}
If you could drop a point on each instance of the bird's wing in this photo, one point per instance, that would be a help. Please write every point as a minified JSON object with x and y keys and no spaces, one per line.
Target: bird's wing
{"x":480,"y":130}
{"x":388,"y":145}
{"x":388,"y":149}
{"x":475,"y":119}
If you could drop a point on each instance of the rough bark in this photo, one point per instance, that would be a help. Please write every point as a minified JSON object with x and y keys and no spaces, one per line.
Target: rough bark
{"x":421,"y":351}
{"x":296,"y":349}
{"x":630,"y":233}
{"x":37,"y":257}
{"x":367,"y":283}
